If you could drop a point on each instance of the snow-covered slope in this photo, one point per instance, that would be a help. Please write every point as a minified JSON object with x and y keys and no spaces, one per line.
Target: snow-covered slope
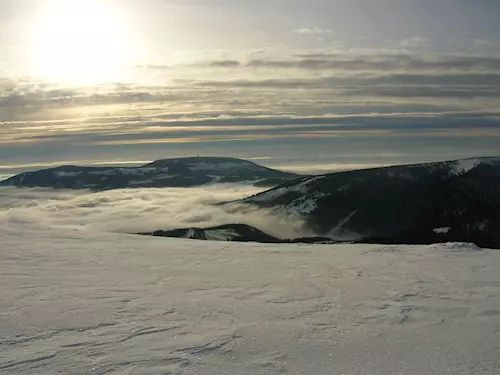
{"x":74,"y":302}
{"x":400,"y":204}
{"x":180,"y":172}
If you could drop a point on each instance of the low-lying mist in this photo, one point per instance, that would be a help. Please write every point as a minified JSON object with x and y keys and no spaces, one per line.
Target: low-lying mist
{"x":143,"y":210}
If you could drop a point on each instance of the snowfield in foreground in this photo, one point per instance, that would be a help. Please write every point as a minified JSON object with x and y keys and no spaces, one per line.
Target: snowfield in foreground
{"x":76,"y":302}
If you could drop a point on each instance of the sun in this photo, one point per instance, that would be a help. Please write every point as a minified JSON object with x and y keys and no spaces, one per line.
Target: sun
{"x":81,"y":41}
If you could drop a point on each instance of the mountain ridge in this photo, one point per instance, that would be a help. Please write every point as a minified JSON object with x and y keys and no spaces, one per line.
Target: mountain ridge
{"x":176,"y":172}
{"x":425,"y":203}
{"x":232,"y":233}
{"x":397,"y":203}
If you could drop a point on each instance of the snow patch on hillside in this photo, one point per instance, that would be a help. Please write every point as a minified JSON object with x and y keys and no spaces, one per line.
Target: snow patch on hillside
{"x":63,"y":174}
{"x":339,"y":233}
{"x":190,"y":234}
{"x":301,"y":187}
{"x":464,"y":166}
{"x":221,"y":235}
{"x":443,"y":230}
{"x":302,"y":206}
{"x":305,"y":207}
{"x":108,"y":172}
{"x":479,"y":226}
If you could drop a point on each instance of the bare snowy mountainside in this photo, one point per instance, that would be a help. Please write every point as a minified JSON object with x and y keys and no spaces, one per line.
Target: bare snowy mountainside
{"x":82,"y":302}
{"x":421,"y":203}
{"x":180,"y":172}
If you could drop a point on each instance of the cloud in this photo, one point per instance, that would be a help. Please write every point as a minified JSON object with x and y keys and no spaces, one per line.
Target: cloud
{"x":231,"y":103}
{"x":478,"y":84}
{"x":414,"y":42}
{"x":383,"y":62}
{"x":485,"y":44}
{"x":72,"y":98}
{"x":314,"y":31}
{"x":224,"y":64}
{"x":244,"y":126}
{"x":425,"y":92}
{"x":141,"y":210}
{"x":22,"y":98}
{"x":349,"y":62}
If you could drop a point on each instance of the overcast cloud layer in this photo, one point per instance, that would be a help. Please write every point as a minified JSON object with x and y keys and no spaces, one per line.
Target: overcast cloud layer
{"x":266,"y":80}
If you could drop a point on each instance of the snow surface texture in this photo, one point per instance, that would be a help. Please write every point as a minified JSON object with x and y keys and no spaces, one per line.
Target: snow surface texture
{"x":82,"y":302}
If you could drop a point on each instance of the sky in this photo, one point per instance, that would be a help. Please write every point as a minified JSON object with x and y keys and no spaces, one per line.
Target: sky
{"x":300,"y":85}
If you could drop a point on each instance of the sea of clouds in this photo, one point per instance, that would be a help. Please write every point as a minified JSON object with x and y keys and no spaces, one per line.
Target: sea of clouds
{"x":142,"y":210}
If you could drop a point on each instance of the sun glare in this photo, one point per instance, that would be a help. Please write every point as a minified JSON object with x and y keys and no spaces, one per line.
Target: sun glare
{"x":81,"y":41}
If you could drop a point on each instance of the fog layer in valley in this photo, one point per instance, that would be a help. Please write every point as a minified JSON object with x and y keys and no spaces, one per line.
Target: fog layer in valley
{"x":142,"y":210}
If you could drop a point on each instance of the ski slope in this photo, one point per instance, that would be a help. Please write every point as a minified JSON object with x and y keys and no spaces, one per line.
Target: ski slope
{"x":81,"y":302}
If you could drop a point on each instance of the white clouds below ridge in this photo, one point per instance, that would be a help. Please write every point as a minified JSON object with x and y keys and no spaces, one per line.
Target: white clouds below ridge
{"x":141,"y":210}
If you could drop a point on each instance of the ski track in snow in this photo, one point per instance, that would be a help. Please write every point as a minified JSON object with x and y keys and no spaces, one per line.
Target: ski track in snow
{"x":77,"y":302}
